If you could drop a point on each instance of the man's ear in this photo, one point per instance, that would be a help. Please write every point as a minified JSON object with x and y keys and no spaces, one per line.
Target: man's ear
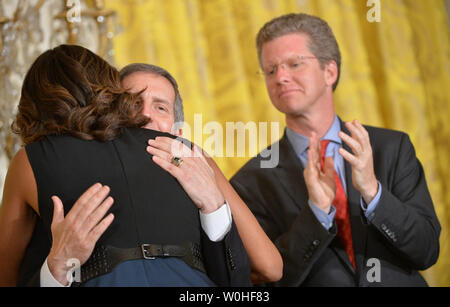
{"x":331,"y":73}
{"x":177,"y":129}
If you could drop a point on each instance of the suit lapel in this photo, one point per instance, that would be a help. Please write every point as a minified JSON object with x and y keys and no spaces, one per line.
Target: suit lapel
{"x":290,"y":173}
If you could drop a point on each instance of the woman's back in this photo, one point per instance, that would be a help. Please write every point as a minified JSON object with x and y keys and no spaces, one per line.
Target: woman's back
{"x":149,"y":204}
{"x":150,"y":207}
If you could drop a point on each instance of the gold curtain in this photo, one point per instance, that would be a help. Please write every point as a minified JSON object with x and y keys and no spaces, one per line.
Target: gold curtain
{"x":395,"y":72}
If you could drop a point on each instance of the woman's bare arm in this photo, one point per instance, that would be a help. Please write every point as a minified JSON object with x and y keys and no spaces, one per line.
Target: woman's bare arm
{"x":18,"y":214}
{"x":266,"y":261}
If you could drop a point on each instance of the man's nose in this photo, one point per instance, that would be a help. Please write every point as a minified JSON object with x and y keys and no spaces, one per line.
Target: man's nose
{"x":147,"y":110}
{"x":282,"y":74}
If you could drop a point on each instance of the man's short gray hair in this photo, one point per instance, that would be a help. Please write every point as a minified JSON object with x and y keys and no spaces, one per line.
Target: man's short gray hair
{"x":322,"y":42}
{"x":153,"y":69}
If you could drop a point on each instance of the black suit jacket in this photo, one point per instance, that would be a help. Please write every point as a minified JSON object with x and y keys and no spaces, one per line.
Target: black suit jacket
{"x":402,"y":237}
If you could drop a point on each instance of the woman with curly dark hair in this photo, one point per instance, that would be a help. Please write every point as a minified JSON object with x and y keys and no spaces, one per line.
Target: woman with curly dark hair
{"x":70,"y":90}
{"x":82,"y":129}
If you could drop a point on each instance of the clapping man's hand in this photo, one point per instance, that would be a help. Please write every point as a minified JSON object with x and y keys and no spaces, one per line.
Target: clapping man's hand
{"x":363,"y":175}
{"x":320,"y":182}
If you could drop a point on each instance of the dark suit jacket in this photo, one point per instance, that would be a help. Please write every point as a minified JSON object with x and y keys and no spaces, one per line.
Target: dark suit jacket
{"x":403,"y":234}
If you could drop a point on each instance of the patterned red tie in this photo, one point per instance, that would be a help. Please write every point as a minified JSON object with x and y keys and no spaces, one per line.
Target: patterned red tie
{"x":342,"y":215}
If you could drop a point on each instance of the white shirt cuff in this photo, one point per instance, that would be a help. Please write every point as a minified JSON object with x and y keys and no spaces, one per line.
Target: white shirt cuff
{"x":218,"y":223}
{"x":47,"y":279}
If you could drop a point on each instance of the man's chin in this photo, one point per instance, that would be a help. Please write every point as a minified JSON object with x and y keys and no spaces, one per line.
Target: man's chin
{"x":150,"y":127}
{"x":290,"y":107}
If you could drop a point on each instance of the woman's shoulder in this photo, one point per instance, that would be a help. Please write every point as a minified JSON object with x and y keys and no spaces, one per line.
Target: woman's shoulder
{"x":145,"y":132}
{"x":20,"y":179}
{"x":20,"y":162}
{"x":142,"y":135}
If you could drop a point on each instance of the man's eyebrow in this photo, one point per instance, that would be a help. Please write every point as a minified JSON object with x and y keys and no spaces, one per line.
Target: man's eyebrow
{"x":160,"y":99}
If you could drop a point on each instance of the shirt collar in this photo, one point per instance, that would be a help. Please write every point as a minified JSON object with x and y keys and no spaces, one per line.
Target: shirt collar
{"x":300,"y":143}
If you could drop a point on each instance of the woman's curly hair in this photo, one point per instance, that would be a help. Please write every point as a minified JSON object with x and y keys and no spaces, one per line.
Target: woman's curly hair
{"x":70,"y":90}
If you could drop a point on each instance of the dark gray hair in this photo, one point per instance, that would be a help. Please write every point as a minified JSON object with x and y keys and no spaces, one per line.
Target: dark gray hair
{"x":153,"y":69}
{"x":322,"y":42}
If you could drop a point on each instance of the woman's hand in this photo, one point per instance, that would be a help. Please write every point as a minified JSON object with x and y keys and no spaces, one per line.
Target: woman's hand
{"x":194,"y":174}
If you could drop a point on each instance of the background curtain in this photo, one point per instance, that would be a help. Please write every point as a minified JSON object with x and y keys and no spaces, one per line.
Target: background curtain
{"x":395,"y":73}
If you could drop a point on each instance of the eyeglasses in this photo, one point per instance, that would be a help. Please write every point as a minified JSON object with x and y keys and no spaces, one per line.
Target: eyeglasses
{"x":292,"y":64}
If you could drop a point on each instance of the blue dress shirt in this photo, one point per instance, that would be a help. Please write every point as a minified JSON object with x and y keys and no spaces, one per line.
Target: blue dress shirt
{"x":300,"y":143}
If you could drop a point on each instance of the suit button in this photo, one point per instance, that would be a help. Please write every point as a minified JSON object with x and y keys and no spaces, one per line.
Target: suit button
{"x":316,"y":243}
{"x":392,"y":236}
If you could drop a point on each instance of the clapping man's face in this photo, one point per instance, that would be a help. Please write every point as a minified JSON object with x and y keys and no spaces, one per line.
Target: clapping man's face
{"x":295,"y":81}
